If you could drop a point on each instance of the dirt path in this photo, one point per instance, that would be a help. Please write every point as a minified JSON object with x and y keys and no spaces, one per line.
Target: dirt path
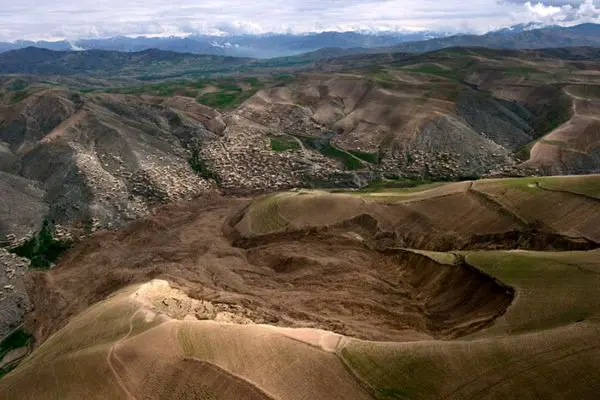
{"x":302,"y":148}
{"x":491,"y":202}
{"x":544,"y":140}
{"x":109,"y":357}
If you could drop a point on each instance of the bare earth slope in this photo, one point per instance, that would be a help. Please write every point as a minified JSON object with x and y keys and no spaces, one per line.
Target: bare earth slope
{"x":254,"y":254}
{"x":573,"y":146}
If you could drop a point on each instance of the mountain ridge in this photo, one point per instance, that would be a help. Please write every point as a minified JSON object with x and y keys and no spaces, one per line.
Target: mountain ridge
{"x":268,"y":46}
{"x":258,"y":46}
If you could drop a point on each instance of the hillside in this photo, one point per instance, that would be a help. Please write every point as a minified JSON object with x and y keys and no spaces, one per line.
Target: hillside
{"x":153,"y":62}
{"x":454,"y":112}
{"x":83,"y":151}
{"x":513,"y":213}
{"x":384,"y":296}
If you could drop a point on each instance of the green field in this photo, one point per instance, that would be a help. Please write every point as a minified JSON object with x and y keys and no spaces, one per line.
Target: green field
{"x":372,"y":158}
{"x":324,"y":146}
{"x":431,"y":69}
{"x":226,"y":93}
{"x":283,"y":143}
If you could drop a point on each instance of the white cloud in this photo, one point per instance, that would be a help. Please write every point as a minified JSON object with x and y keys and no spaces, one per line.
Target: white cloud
{"x":73,"y":19}
{"x":542,"y":11}
{"x":74,"y":47}
{"x":563,"y":13}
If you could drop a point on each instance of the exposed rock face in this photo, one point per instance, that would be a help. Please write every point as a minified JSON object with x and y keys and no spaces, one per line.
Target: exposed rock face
{"x":22,"y":205}
{"x":508,"y":124}
{"x":467,"y":152}
{"x":14,"y":302}
{"x":159,"y":297}
{"x":100,"y":158}
{"x":212,"y":119}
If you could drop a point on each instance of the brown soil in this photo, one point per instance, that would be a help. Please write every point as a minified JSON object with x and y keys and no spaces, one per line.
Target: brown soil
{"x":321,"y":280}
{"x":181,"y":381}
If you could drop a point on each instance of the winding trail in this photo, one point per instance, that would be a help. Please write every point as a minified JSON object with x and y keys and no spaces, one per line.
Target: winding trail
{"x":111,"y":354}
{"x":491,"y":202}
{"x":555,"y":134}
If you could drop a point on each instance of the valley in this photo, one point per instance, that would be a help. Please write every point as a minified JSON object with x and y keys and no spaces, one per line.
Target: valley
{"x":455,"y":114}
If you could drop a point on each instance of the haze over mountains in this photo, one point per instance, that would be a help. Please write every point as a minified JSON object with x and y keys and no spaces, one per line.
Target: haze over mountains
{"x":256,"y":46}
{"x":279,"y":45}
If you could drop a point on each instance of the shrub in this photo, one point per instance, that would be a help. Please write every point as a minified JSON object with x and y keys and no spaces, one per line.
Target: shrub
{"x":43,"y":250}
{"x":198,"y":165}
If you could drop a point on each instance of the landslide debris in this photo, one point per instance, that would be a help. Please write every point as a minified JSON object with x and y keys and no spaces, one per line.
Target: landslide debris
{"x":330,"y":282}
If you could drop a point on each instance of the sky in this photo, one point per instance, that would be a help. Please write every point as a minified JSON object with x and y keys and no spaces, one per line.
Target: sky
{"x":77,"y":19}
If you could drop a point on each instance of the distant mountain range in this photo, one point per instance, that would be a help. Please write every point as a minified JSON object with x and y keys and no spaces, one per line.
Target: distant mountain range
{"x":256,"y":46}
{"x":150,"y":64}
{"x":204,"y":54}
{"x":523,"y":36}
{"x":520,"y":37}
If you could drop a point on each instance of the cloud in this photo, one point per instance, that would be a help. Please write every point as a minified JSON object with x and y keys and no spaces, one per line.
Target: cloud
{"x":563,"y":13}
{"x":551,"y":2}
{"x":74,"y":19}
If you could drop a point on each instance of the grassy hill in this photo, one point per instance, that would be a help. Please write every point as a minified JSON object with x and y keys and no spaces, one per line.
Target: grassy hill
{"x":441,"y":216}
